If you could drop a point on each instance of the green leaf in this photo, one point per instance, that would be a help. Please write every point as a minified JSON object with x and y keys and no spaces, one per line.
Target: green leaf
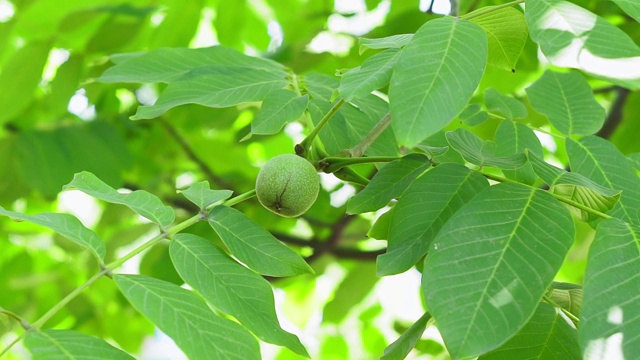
{"x":67,"y":344}
{"x":512,"y":239}
{"x":359,"y":282}
{"x":631,"y":7}
{"x":201,"y":194}
{"x":507,"y":106}
{"x":567,"y":100}
{"x":514,"y":138}
{"x":473,"y":115}
{"x":215,"y":86}
{"x":388,"y":183}
{"x":571,"y":36}
{"x":380,"y":229}
{"x":255,"y":246}
{"x":602,"y":163}
{"x":506,"y":32}
{"x":610,"y":318}
{"x":635,"y":160}
{"x":170,"y":64}
{"x":20,"y":77}
{"x":547,"y":335}
{"x":373,"y":74}
{"x":481,"y":152}
{"x":66,"y":225}
{"x":400,"y":348}
{"x":279,"y":107}
{"x":567,"y":296}
{"x":435,"y":77}
{"x":231,"y":287}
{"x":187,"y":319}
{"x":445,"y":189}
{"x":140,"y":201}
{"x":389,"y":42}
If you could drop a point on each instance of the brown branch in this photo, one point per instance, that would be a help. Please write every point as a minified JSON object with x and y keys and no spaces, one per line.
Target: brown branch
{"x":615,"y":113}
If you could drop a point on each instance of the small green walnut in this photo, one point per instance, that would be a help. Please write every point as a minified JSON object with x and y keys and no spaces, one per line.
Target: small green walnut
{"x":287,"y":185}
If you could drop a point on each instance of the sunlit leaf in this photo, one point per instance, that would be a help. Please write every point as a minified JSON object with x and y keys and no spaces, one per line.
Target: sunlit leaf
{"x":255,"y":246}
{"x":67,"y":344}
{"x":425,"y":94}
{"x":373,"y":74}
{"x":400,"y":348}
{"x":567,"y":100}
{"x":610,"y":319}
{"x":187,"y":319}
{"x":481,"y":152}
{"x":446,"y":189}
{"x":66,"y":225}
{"x":231,"y":287}
{"x":140,"y":201}
{"x":389,"y":42}
{"x":279,"y":107}
{"x":513,"y":239}
{"x":201,"y":194}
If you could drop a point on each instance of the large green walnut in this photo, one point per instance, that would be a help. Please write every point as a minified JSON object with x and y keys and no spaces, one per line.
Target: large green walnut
{"x":287,"y":185}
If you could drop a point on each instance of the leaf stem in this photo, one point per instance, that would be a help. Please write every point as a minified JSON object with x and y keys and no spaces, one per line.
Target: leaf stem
{"x":333,"y":163}
{"x":363,"y":145}
{"x":489,"y":9}
{"x":25,"y":325}
{"x":565,"y":311}
{"x":302,"y":149}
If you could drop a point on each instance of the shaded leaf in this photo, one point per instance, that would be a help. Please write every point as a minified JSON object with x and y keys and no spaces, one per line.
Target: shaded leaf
{"x":201,"y":194}
{"x":425,"y":94}
{"x":66,"y":225}
{"x":255,"y":246}
{"x":279,"y":107}
{"x":400,"y":348}
{"x":507,"y":106}
{"x":380,"y":228}
{"x":187,"y":319}
{"x":388,"y":183}
{"x":568,"y":101}
{"x":446,"y":189}
{"x":514,"y":138}
{"x":481,"y":152}
{"x":140,"y":201}
{"x":67,"y":344}
{"x":473,"y":115}
{"x":373,"y":74}
{"x":513,"y":239}
{"x":567,"y":296}
{"x":610,"y":317}
{"x":231,"y":287}
{"x":389,"y":42}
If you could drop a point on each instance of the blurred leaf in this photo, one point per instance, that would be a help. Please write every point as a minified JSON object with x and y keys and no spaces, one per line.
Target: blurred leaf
{"x":610,"y":321}
{"x":156,"y":263}
{"x":567,"y":100}
{"x":201,"y":194}
{"x":187,"y":319}
{"x":506,"y":32}
{"x":400,"y":348}
{"x":255,"y":246}
{"x":424,"y":94}
{"x":65,"y":84}
{"x":389,"y":42}
{"x":631,"y":7}
{"x":334,"y":347}
{"x":66,"y":225}
{"x":446,"y":189}
{"x":141,"y":202}
{"x":481,"y":152}
{"x":513,"y":239}
{"x":67,"y":344}
{"x":473,"y":115}
{"x":547,"y":335}
{"x":231,"y":287}
{"x":279,"y":107}
{"x":514,"y":138}
{"x":359,"y":281}
{"x":635,"y":160}
{"x":373,"y":74}
{"x":179,"y":25}
{"x":388,"y":183}
{"x":507,"y":106}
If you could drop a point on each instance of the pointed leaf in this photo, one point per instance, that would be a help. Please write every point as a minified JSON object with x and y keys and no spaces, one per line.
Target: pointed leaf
{"x":373,"y":74}
{"x":201,"y":194}
{"x":231,"y":287}
{"x":400,"y":348}
{"x":494,"y":259}
{"x":567,"y":100}
{"x":514,"y":138}
{"x":610,"y":318}
{"x":66,"y":225}
{"x":481,"y":152}
{"x":255,"y":246}
{"x":187,"y":319}
{"x":279,"y":107}
{"x":547,"y":335}
{"x":140,"y":201}
{"x":507,"y":33}
{"x":435,"y":77}
{"x":473,"y":115}
{"x":601,"y":162}
{"x":388,"y":183}
{"x":507,"y":106}
{"x":414,"y":225}
{"x":72,"y":345}
{"x":389,"y":42}
{"x":631,"y":7}
{"x":571,"y":36}
{"x":380,"y":229}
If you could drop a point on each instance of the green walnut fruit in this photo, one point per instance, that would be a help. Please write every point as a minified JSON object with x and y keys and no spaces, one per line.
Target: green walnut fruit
{"x":287,"y":185}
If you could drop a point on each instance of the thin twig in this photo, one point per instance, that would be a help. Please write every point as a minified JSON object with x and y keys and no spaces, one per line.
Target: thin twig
{"x":615,"y":113}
